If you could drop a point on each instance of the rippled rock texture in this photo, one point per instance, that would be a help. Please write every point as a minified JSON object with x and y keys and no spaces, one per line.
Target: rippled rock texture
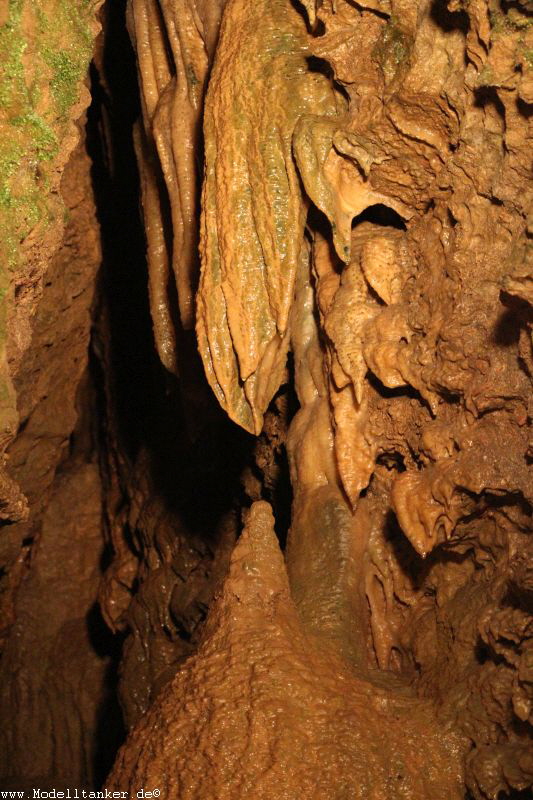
{"x":330,"y":595}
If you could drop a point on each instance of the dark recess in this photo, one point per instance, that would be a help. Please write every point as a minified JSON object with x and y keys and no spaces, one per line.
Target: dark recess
{"x":380,"y":214}
{"x":195,"y":460}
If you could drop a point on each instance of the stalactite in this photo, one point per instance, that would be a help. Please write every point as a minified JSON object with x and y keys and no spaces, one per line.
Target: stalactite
{"x":174,"y":43}
{"x":337,"y":222}
{"x":379,"y":112}
{"x":253,"y":212}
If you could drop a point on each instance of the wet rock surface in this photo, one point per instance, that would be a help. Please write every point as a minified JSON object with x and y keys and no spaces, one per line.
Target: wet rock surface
{"x":314,"y":220}
{"x":262,"y":710}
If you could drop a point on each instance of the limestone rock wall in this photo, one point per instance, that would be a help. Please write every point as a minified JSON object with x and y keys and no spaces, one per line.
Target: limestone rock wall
{"x":45,"y":50}
{"x":278,"y":453}
{"x":54,"y":679}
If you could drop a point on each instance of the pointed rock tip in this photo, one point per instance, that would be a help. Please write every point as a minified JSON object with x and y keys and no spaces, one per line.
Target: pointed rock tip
{"x":257,"y":567}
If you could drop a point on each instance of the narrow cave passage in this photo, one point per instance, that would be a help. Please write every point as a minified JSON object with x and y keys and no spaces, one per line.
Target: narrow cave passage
{"x":267,"y":514}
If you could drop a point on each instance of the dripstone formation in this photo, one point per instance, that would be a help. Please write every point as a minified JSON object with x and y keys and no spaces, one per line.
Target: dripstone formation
{"x":306,"y":417}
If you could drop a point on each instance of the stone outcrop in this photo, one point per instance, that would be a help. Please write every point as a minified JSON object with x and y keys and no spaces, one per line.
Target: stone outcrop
{"x":327,"y":242}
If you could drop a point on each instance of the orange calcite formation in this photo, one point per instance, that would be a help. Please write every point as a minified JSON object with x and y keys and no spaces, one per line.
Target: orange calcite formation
{"x":365,"y":204}
{"x":262,"y":710}
{"x":253,"y":210}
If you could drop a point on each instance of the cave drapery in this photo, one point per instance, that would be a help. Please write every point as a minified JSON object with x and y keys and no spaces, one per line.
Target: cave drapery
{"x":266,"y":378}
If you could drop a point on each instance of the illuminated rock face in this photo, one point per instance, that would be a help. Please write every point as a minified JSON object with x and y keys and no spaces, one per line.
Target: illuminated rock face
{"x":407,"y":309}
{"x":265,"y":710}
{"x":336,"y":205}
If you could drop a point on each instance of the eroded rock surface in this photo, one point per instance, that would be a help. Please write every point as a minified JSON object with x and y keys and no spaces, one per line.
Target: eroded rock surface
{"x":45,"y":51}
{"x":263,"y":710}
{"x":347,"y":183}
{"x":409,"y":325}
{"x":54,"y":676}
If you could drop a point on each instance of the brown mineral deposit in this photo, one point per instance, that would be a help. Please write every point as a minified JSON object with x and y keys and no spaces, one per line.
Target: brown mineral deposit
{"x":294,"y":463}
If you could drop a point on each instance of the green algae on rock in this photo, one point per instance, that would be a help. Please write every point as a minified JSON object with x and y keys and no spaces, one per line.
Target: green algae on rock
{"x":45,"y":48}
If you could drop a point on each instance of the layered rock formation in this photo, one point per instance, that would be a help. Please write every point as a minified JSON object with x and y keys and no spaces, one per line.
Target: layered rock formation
{"x":45,"y":48}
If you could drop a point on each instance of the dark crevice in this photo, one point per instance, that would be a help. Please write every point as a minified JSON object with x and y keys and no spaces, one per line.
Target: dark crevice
{"x":516,"y":5}
{"x":400,"y":391}
{"x":363,"y":7}
{"x":507,"y":329}
{"x":109,"y":730}
{"x":320,"y":65}
{"x":155,"y":433}
{"x":525,"y":109}
{"x":448,"y":20}
{"x":148,"y":405}
{"x":392,"y":460}
{"x":380,"y":214}
{"x":488,"y":95}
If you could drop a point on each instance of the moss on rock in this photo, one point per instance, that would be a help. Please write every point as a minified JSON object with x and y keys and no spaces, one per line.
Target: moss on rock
{"x":45,"y":49}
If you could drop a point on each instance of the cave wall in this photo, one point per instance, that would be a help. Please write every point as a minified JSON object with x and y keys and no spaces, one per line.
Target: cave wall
{"x":45,"y":47}
{"x":295,"y":277}
{"x":54,"y":678}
